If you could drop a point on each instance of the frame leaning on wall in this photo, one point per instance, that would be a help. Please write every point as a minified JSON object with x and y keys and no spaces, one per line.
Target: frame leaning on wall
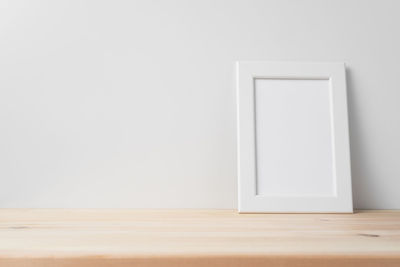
{"x":293,"y":143}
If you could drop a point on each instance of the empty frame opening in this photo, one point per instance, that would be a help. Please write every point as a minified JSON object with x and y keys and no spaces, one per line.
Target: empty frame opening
{"x":294,"y":142}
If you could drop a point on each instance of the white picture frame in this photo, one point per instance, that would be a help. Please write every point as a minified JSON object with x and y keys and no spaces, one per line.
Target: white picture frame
{"x":293,"y":140}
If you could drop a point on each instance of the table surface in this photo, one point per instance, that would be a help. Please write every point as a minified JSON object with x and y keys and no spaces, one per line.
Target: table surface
{"x":119,"y":237}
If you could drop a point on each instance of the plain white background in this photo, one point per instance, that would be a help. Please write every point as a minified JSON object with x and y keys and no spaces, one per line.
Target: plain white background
{"x":132,"y":103}
{"x":293,"y":124}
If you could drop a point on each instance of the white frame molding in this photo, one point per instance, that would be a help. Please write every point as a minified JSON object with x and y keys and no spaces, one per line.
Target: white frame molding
{"x":249,"y":201}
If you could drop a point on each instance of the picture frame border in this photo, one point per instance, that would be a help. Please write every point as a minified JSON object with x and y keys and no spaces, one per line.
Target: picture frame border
{"x":248,"y":200}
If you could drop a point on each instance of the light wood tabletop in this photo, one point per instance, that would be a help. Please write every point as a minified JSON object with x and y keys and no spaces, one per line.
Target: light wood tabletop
{"x":119,"y":237}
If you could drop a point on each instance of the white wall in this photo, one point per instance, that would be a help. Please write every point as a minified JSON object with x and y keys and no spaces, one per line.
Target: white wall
{"x":132,"y":103}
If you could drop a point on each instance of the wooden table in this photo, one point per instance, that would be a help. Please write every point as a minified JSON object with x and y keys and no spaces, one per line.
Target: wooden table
{"x":64,"y":237}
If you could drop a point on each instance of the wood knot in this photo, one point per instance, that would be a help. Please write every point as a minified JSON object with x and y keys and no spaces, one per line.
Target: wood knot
{"x":369,"y":235}
{"x":18,"y":227}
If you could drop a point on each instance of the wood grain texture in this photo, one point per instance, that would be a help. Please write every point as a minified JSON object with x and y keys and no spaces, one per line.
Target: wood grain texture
{"x":92,"y":237}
